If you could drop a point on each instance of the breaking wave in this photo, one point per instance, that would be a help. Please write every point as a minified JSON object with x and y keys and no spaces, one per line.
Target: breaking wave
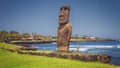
{"x":80,"y":49}
{"x":95,"y":46}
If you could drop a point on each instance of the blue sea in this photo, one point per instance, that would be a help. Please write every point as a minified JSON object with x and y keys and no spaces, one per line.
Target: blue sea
{"x":111,"y":48}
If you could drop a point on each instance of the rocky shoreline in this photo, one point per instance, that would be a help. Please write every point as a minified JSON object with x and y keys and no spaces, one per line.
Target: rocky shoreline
{"x":30,"y":42}
{"x":42,"y":42}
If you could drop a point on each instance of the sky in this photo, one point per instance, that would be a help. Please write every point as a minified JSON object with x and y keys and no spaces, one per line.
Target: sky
{"x":99,"y":18}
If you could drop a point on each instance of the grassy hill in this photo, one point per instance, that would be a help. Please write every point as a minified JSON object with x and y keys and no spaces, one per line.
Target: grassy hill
{"x":14,"y":60}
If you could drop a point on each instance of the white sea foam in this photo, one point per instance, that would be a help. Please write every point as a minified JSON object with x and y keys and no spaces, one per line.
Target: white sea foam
{"x":94,"y":46}
{"x":72,"y":49}
{"x":118,"y":46}
{"x":72,"y":45}
{"x":80,"y":49}
{"x":54,"y":43}
{"x":83,"y":49}
{"x":98,"y":46}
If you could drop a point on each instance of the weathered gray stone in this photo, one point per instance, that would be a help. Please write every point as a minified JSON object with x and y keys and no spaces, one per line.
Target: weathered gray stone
{"x":64,"y":29}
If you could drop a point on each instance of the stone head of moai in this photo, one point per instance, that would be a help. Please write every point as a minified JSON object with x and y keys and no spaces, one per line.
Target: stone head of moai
{"x":64,"y":15}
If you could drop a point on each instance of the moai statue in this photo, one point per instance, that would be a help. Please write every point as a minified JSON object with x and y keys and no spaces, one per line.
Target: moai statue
{"x":64,"y":29}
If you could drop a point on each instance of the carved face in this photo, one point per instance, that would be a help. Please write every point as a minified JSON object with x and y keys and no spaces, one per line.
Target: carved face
{"x":64,"y":15}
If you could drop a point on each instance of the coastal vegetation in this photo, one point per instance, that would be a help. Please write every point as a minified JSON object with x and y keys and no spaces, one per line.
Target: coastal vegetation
{"x":14,"y":60}
{"x":9,"y":46}
{"x":84,"y":38}
{"x":12,"y":36}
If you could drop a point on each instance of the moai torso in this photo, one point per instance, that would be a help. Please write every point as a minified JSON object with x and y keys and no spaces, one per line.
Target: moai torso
{"x":64,"y":29}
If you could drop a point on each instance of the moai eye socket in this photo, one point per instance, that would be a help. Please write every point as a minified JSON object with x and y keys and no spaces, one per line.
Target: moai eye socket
{"x":65,"y":8}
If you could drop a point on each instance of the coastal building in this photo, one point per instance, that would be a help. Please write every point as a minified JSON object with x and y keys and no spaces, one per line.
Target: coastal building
{"x":30,"y":38}
{"x":90,"y":37}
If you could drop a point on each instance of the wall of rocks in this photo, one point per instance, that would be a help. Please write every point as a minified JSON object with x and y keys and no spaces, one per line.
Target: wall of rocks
{"x":73,"y":56}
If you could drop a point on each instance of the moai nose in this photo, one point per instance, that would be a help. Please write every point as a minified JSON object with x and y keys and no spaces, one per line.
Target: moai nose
{"x":61,"y":13}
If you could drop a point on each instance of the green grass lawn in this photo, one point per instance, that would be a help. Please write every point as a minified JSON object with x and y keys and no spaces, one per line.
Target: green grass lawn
{"x":14,"y":60}
{"x":9,"y":46}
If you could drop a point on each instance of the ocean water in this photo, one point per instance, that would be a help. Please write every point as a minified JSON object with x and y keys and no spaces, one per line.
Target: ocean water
{"x":111,"y":48}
